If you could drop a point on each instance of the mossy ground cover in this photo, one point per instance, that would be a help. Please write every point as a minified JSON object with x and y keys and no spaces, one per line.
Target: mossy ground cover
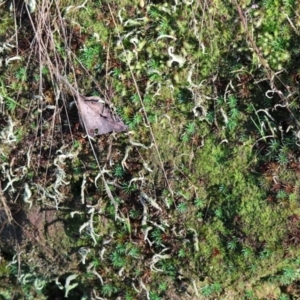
{"x":199,"y":199}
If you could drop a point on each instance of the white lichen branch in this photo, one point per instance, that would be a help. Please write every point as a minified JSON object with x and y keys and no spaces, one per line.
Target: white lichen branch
{"x":175,"y":58}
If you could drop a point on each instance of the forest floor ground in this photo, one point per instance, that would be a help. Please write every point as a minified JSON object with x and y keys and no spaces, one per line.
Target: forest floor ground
{"x":199,"y":198}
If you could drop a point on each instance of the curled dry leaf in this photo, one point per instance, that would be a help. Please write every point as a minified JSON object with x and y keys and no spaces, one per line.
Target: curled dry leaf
{"x":96,"y":116}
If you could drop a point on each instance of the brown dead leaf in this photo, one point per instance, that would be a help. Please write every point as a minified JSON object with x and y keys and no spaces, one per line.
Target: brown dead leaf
{"x":96,"y":116}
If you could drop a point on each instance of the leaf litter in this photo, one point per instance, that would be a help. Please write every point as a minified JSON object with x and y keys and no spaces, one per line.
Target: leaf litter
{"x":95,"y":114}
